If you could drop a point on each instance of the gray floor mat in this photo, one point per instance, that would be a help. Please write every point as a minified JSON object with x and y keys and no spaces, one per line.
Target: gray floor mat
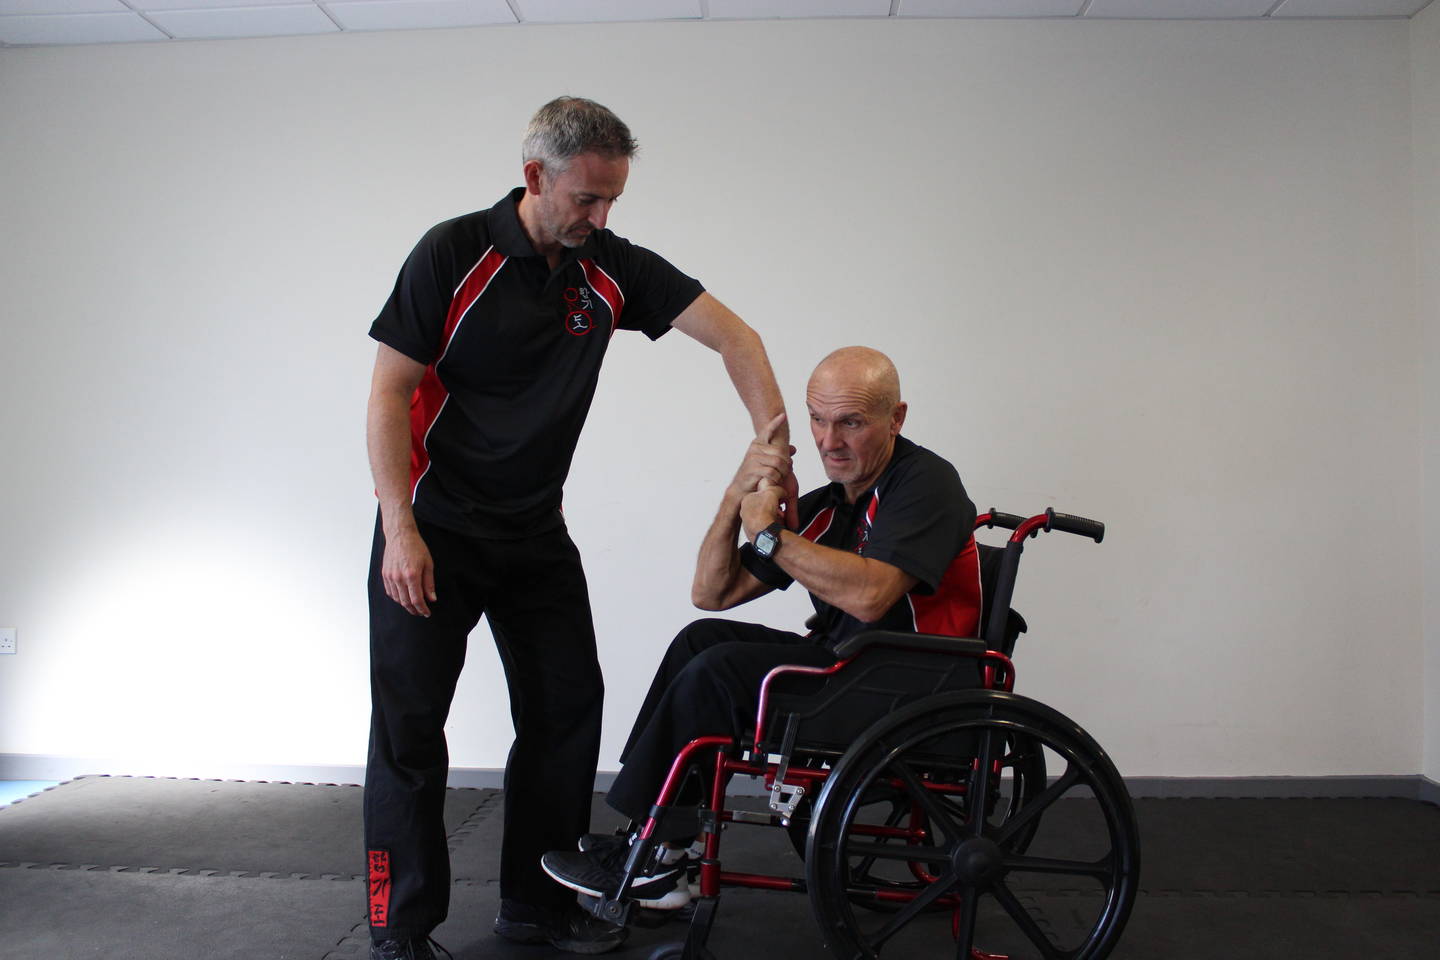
{"x":1336,"y":927}
{"x":223,"y":825}
{"x":130,"y":915}
{"x":1290,"y":845}
{"x":165,"y":869}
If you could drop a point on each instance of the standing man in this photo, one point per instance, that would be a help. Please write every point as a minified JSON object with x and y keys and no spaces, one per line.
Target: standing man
{"x":490,"y":350}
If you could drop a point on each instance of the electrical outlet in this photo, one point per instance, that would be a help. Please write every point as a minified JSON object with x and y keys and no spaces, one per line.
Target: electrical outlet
{"x":7,"y":640}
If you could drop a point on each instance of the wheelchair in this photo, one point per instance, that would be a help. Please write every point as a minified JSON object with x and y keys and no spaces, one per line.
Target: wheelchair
{"x":933,"y":807}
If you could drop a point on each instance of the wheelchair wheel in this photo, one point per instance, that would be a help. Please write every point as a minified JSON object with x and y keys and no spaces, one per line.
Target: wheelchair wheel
{"x":676,"y":951}
{"x":1021,"y":766}
{"x":1050,"y":873}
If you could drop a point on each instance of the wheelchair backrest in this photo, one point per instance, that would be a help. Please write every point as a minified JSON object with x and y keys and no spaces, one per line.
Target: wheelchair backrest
{"x":991,"y":559}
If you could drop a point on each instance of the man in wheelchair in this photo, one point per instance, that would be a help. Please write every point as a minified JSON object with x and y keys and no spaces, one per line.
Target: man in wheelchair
{"x":887,"y":544}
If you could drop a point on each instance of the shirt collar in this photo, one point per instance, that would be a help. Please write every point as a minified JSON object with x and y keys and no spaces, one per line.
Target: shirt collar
{"x":835,"y":492}
{"x":509,"y":236}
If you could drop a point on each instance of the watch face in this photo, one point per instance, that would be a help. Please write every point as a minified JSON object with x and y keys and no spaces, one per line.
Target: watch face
{"x":765,"y":543}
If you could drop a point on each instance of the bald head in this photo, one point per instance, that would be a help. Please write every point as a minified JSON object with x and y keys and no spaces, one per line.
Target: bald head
{"x":866,"y":374}
{"x":855,"y":415}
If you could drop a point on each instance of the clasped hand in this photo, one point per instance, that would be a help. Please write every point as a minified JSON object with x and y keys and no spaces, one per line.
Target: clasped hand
{"x":764,"y":489}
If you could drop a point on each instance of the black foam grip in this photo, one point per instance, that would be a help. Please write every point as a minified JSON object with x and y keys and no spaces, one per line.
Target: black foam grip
{"x":1007,"y":520}
{"x":1066,"y":523}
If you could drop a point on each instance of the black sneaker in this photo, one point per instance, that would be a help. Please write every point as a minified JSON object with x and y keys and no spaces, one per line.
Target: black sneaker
{"x":571,"y":930}
{"x":602,"y":843}
{"x":405,"y":949}
{"x":598,"y":873}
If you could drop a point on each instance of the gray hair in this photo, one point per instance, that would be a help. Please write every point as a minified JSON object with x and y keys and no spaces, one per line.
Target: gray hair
{"x":568,"y":126}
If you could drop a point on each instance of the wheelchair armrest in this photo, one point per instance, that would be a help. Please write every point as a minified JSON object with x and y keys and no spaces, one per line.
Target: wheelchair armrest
{"x":961,"y":646}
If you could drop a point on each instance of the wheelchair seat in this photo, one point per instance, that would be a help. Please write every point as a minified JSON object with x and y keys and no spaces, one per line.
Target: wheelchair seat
{"x":883,"y":671}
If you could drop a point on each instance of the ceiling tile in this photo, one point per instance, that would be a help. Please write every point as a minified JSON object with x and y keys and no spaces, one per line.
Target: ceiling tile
{"x":990,"y":8}
{"x":1349,"y":8}
{"x":77,"y":28}
{"x":147,"y":6}
{"x":244,"y":22}
{"x":1178,"y":9}
{"x":790,"y":9}
{"x":418,"y":14}
{"x":596,"y":11}
{"x":9,"y":8}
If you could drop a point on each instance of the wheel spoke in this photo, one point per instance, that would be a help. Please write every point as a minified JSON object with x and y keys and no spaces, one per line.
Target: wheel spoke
{"x":873,"y":850}
{"x":1099,"y":869}
{"x":969,"y":912}
{"x":940,"y":814}
{"x":913,"y":909}
{"x":1039,"y":805}
{"x":897,"y":813}
{"x":1026,"y":923}
{"x":979,"y":792}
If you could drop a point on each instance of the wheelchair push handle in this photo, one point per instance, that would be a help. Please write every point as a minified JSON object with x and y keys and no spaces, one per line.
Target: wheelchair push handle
{"x":1047,"y":521}
{"x":994,"y":518}
{"x":1067,"y":523}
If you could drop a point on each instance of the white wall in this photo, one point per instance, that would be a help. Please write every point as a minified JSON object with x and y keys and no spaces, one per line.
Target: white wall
{"x":1156,"y":273}
{"x":1425,"y":109}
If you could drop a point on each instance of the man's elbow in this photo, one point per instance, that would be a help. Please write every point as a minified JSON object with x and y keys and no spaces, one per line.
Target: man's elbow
{"x":738,"y":340}
{"x":871,"y":605}
{"x":705,"y":597}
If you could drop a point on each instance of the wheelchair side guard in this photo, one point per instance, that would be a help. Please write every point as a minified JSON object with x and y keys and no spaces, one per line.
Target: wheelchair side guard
{"x":883,"y":671}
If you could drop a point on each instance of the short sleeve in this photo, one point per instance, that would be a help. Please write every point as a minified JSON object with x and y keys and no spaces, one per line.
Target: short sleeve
{"x":413,"y":318}
{"x":923,"y":517}
{"x":655,"y":291}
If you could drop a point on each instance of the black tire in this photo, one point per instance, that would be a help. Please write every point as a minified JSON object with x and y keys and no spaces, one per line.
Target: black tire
{"x":974,"y":861}
{"x":676,"y":951}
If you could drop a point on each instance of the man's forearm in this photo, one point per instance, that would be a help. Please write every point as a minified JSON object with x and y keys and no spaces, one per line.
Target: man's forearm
{"x":861,"y":587}
{"x":718,"y":566}
{"x":749,"y":369}
{"x":716,"y":326}
{"x":387,"y":431}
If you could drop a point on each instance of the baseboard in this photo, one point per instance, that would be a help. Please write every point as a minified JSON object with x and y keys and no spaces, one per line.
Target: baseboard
{"x":29,"y":767}
{"x":1412,"y":787}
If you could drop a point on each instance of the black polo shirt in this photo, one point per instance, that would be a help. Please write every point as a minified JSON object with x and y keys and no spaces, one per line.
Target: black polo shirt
{"x":512,"y":353}
{"x":917,"y":517}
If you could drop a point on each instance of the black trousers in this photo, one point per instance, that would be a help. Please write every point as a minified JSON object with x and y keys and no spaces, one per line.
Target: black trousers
{"x":707,"y":684}
{"x":534,"y":596}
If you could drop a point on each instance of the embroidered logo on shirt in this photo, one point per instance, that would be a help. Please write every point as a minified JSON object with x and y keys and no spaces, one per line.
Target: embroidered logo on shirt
{"x":578,"y":305}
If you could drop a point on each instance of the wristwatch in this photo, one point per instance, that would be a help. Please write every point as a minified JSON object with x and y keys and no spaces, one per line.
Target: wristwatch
{"x":767,"y":541}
